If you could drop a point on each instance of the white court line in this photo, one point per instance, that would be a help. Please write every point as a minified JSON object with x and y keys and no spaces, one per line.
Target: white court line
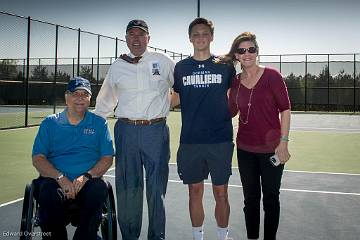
{"x":307,"y":172}
{"x":319,"y":129}
{"x":323,"y":128}
{"x":11,"y":202}
{"x":294,"y":171}
{"x":323,"y":192}
{"x":281,"y":189}
{"x":287,"y":189}
{"x":330,"y":173}
{"x":20,"y":199}
{"x":239,"y":186}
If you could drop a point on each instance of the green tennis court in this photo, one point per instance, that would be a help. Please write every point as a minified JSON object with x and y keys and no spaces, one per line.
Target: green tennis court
{"x":319,"y":194}
{"x":312,"y":149}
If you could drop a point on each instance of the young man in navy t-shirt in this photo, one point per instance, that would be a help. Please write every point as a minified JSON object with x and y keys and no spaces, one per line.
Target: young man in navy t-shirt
{"x":201,"y":85}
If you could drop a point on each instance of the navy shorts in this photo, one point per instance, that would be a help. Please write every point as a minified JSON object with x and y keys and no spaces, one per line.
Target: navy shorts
{"x":196,"y":161}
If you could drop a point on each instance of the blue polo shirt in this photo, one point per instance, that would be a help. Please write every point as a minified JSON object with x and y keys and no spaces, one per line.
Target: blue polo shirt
{"x":73,"y":149}
{"x":203,"y":86}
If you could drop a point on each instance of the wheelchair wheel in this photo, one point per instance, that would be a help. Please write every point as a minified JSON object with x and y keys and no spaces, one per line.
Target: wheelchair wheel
{"x":27,"y":223}
{"x":108,"y":223}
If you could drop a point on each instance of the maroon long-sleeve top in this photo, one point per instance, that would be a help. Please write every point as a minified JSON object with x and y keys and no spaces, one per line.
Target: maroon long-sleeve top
{"x":259,"y":124}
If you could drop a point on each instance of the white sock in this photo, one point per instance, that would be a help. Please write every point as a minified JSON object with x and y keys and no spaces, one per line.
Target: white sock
{"x":198,"y":233}
{"x":222,"y":233}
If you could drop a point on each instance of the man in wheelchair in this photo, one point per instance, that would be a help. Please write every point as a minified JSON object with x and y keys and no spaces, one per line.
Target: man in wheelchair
{"x":72,"y":150}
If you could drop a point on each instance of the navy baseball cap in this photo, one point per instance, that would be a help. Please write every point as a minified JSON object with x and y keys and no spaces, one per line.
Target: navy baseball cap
{"x":78,"y":83}
{"x":137,"y":23}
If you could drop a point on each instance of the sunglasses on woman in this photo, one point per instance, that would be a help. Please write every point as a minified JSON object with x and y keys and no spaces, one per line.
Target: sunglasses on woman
{"x":243,"y":50}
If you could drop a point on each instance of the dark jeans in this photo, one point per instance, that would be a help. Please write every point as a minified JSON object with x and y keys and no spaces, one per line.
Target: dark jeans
{"x":53,"y":208}
{"x":139,"y":148}
{"x":257,"y":173}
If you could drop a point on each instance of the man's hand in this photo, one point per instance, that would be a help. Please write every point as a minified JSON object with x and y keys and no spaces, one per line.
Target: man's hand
{"x":79,"y":183}
{"x":67,"y":187}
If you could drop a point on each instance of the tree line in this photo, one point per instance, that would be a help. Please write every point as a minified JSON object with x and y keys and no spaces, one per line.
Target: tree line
{"x":320,"y":92}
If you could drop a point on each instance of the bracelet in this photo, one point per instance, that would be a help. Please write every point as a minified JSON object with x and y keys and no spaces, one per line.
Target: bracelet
{"x":284,"y":138}
{"x":59,"y":177}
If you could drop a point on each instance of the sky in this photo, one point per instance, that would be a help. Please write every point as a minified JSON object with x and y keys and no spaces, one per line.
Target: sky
{"x":281,"y":26}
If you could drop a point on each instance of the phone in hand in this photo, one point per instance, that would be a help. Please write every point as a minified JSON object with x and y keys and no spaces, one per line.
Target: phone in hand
{"x":274,"y":160}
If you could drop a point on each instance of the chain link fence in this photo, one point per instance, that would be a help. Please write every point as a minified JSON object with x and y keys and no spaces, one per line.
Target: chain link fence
{"x":38,"y":58}
{"x":320,"y":82}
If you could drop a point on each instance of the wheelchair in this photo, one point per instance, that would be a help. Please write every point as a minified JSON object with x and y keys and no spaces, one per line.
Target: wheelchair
{"x":30,"y":215}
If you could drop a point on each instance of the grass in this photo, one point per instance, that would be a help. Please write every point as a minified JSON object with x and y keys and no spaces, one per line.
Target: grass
{"x":311,"y":151}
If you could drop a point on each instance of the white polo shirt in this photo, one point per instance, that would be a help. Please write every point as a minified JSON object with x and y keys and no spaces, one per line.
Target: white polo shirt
{"x":137,"y":91}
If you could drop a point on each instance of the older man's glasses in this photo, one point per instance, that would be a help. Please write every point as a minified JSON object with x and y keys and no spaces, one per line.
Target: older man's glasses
{"x":82,"y":95}
{"x":244,"y":50}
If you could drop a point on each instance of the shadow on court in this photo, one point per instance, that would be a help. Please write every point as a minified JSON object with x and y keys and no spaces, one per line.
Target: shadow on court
{"x":313,"y":206}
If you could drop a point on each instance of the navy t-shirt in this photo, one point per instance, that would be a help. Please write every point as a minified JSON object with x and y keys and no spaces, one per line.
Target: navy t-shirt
{"x":203,"y":86}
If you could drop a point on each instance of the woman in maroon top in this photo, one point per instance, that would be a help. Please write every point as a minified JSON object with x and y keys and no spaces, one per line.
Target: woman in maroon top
{"x":259,"y":95}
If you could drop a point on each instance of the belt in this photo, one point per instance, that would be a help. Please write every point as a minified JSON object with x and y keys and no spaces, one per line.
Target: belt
{"x":142,"y":122}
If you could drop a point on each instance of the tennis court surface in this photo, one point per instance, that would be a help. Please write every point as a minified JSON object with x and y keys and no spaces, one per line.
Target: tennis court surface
{"x":314,"y":206}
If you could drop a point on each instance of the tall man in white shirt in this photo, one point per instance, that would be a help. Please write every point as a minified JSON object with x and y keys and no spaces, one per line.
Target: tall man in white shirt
{"x":137,"y":87}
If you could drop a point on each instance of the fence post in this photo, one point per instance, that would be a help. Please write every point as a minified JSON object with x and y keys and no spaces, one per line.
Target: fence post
{"x":328,"y":83}
{"x":73,"y":67}
{"x":306,"y":73}
{"x":280,"y":62}
{"x":56,"y":65}
{"x":24,"y":69}
{"x":78,"y":60}
{"x":354,"y":83}
{"x":98,"y":61}
{"x":27,"y":74}
{"x":116,"y":47}
{"x":92,"y":68}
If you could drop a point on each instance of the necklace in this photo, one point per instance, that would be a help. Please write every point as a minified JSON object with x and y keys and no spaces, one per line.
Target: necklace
{"x":250,"y":97}
{"x":258,"y":74}
{"x":249,"y":104}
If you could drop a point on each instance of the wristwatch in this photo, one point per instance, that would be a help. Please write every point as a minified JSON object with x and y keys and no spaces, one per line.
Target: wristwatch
{"x":87,"y":175}
{"x":59,"y":177}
